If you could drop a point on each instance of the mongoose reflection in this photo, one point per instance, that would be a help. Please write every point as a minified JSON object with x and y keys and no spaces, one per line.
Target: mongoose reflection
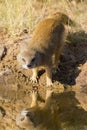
{"x":45,"y":46}
{"x":37,"y":117}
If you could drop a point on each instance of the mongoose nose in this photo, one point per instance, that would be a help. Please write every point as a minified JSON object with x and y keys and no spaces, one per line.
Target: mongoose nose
{"x":29,"y":66}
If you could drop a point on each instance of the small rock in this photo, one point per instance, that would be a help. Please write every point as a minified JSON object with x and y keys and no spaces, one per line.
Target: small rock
{"x":2,"y":112}
{"x":6,"y":72}
{"x":3,"y":51}
{"x":81,"y":80}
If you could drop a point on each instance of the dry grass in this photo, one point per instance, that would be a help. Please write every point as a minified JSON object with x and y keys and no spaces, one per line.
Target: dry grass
{"x":18,"y":15}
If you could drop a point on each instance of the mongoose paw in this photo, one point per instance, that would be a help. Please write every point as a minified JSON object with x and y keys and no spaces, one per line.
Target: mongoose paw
{"x":34,"y":79}
{"x":49,"y":83}
{"x":34,"y":92}
{"x":35,"y":88}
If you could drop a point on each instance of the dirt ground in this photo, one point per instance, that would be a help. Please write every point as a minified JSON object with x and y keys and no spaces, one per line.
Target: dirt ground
{"x":70,"y":85}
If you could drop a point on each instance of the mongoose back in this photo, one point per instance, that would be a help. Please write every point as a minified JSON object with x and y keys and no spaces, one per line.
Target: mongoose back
{"x":47,"y":43}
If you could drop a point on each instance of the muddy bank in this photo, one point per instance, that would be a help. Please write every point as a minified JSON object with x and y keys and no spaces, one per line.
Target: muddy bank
{"x":70,"y":86}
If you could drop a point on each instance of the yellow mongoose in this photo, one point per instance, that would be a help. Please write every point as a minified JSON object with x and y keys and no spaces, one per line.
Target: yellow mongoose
{"x":37,"y":117}
{"x":46,"y":43}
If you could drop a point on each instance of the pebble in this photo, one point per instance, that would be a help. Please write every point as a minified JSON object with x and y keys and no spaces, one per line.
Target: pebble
{"x":2,"y":112}
{"x":3,"y":51}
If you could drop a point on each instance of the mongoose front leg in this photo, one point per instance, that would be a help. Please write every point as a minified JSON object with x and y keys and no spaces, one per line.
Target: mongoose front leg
{"x":34,"y":77}
{"x":49,"y":93}
{"x":34,"y":96}
{"x":49,"y":76}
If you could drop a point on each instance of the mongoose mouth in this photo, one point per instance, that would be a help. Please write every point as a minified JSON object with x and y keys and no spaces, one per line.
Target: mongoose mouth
{"x":30,"y":66}
{"x":24,"y":66}
{"x":24,"y":112}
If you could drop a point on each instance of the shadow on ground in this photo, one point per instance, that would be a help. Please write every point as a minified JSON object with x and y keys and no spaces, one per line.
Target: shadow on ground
{"x":15,"y":87}
{"x":71,"y":115}
{"x":75,"y":54}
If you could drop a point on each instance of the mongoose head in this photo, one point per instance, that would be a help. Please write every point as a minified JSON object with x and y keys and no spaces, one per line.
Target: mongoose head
{"x":30,"y":58}
{"x":28,"y":118}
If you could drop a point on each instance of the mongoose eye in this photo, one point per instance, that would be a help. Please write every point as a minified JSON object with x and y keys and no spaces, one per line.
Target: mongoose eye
{"x":30,"y":115}
{"x":23,"y":59}
{"x":33,"y":60}
{"x":22,"y":118}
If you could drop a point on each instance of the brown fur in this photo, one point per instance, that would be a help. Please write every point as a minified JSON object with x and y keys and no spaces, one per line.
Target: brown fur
{"x":39,"y":118}
{"x":62,"y":18}
{"x":47,"y":42}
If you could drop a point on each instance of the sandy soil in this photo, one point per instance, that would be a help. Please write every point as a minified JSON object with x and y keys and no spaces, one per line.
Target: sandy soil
{"x":70,"y":85}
